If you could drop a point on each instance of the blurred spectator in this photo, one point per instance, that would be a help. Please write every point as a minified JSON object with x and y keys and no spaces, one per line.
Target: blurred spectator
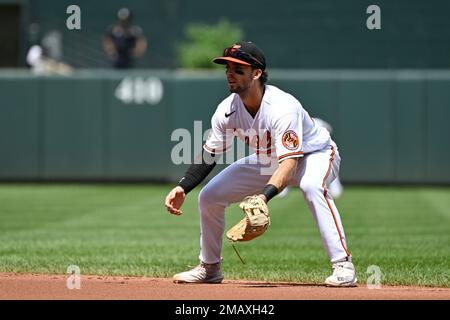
{"x":336,"y":188}
{"x":124,"y":42}
{"x":44,"y":56}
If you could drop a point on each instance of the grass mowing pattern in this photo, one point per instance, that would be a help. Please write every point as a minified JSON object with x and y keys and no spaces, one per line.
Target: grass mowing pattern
{"x":125,"y":230}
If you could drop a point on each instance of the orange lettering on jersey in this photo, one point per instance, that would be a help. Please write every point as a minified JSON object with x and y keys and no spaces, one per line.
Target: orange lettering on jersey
{"x":255,"y":142}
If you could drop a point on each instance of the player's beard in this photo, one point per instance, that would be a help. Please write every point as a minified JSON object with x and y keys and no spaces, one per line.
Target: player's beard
{"x":239,"y":88}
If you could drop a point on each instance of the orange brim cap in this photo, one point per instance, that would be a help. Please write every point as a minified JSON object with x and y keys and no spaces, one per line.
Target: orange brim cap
{"x":223,"y":60}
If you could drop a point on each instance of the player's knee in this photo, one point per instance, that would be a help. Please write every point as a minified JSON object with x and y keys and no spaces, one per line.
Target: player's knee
{"x":311,"y":186}
{"x":207,"y":196}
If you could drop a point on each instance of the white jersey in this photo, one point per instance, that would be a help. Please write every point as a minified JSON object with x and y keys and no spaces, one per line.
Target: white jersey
{"x":281,"y":127}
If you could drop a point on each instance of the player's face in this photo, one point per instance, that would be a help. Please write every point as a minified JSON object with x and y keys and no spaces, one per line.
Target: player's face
{"x":239,"y":77}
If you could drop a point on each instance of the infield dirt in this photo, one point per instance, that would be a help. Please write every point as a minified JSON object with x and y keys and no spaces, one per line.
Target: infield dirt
{"x":48,"y":287}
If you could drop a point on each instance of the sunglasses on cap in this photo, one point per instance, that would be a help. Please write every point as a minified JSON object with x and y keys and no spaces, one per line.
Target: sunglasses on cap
{"x":241,"y":55}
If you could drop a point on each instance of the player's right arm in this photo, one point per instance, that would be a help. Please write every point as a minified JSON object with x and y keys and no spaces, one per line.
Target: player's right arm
{"x":174,"y":200}
{"x":194,"y":175}
{"x":217,"y":143}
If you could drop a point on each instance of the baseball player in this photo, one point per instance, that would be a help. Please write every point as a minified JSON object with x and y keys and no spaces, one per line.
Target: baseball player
{"x":275,"y":124}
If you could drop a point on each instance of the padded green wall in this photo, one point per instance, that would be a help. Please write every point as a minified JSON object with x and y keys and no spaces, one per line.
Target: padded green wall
{"x":20,"y":144}
{"x":390,"y":126}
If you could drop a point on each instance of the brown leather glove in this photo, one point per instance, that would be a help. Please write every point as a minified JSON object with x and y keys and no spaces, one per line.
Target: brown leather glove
{"x":255,"y":223}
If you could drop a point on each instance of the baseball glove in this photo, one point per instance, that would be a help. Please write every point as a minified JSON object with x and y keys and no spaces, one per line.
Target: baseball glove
{"x":255,"y":223}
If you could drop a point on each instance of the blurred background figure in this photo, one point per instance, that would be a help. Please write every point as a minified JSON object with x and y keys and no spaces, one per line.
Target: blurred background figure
{"x":123,"y":41}
{"x":44,"y":56}
{"x":336,"y":188}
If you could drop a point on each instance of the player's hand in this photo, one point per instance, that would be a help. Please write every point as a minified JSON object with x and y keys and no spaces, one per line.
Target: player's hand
{"x":174,"y":200}
{"x":262,"y":197}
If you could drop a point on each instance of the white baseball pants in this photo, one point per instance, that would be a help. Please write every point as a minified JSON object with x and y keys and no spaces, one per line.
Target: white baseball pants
{"x":314,"y":173}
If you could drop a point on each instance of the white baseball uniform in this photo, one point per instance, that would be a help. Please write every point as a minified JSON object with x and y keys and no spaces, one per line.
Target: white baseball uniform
{"x":280,"y":130}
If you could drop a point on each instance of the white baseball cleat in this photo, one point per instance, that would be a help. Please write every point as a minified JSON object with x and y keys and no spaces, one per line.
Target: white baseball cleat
{"x":203,"y":273}
{"x":344,"y":275}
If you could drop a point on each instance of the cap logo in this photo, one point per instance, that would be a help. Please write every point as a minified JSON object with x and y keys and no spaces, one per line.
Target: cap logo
{"x":236,"y":46}
{"x":290,"y":140}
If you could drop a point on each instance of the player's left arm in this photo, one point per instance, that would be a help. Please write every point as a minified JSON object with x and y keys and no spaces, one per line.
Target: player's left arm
{"x":287,"y":130}
{"x":279,"y":179}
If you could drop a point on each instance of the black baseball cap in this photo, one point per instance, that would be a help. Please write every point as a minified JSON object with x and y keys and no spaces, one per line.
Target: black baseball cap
{"x":246,"y":53}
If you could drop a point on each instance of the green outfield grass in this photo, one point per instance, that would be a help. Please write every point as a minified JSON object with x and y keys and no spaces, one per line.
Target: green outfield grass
{"x":125,"y":230}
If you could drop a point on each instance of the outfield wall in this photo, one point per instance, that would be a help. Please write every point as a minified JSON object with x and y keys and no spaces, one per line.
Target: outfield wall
{"x":390,"y":126}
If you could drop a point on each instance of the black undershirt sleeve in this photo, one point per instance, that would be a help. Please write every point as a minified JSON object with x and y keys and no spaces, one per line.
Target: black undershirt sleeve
{"x":197,"y":172}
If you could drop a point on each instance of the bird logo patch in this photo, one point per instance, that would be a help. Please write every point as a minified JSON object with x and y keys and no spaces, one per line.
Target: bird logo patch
{"x":290,"y":140}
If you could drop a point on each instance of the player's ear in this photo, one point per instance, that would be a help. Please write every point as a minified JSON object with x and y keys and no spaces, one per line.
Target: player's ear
{"x":257,"y":74}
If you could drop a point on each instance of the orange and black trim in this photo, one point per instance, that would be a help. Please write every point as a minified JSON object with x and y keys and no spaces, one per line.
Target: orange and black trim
{"x":290,"y":154}
{"x":325,"y":193}
{"x":215,"y":151}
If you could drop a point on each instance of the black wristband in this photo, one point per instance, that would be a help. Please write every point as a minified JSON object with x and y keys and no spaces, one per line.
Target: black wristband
{"x":270,"y":191}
